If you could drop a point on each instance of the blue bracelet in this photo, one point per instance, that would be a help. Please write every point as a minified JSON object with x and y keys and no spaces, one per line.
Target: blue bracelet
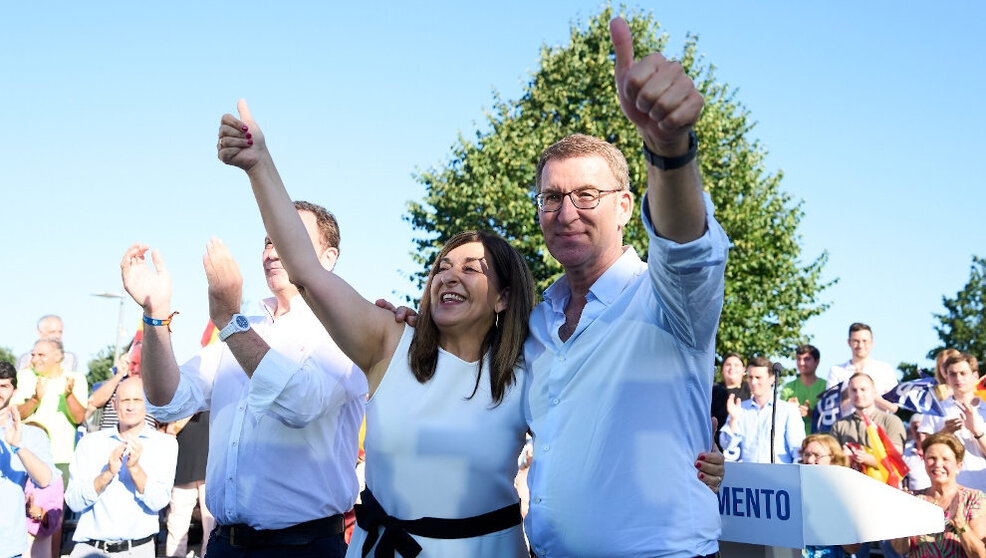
{"x":156,"y":322}
{"x":15,"y":449}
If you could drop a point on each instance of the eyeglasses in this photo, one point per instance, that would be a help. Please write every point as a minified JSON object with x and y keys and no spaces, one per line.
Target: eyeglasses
{"x":815,"y":456}
{"x":583,"y":198}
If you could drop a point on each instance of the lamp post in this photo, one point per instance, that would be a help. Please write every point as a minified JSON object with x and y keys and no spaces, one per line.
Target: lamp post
{"x":119,"y":322}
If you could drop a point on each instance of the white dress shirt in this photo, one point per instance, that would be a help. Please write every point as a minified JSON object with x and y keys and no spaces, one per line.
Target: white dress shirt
{"x":884,"y":378}
{"x":620,"y":411}
{"x":282,"y":445}
{"x":120,"y":512}
{"x":973,"y":472}
{"x":751,"y":440}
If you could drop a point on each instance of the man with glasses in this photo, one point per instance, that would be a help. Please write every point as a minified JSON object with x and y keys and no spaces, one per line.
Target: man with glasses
{"x":620,"y":359}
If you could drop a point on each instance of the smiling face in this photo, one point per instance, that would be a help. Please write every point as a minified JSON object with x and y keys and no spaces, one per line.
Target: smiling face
{"x":732,"y":371}
{"x":941,"y":464}
{"x":861,"y":343}
{"x":761,"y":381}
{"x":45,"y":357}
{"x":464,"y":291}
{"x":584,"y":241}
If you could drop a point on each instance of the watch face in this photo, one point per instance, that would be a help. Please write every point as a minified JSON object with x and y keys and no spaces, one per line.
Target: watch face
{"x":241,"y":322}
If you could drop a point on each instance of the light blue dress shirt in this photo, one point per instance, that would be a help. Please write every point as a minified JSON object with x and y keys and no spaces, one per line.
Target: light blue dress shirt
{"x":13,"y":477}
{"x":282,"y":445}
{"x":620,"y":411}
{"x":120,"y":512}
{"x":751,"y":442}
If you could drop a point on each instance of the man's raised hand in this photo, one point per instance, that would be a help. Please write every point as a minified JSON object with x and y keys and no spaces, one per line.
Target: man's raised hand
{"x":655,"y":94}
{"x":225,"y":282}
{"x":241,"y":143}
{"x":149,"y":288}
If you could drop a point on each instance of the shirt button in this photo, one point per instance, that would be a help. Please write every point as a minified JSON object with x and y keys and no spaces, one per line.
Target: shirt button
{"x":562,"y":358}
{"x":241,"y":407}
{"x":546,"y":447}
{"x":554,"y":401}
{"x":537,"y":500}
{"x":234,"y":444}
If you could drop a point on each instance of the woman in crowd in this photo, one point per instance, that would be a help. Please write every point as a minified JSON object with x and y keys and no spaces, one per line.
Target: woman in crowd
{"x":822,"y":449}
{"x":965,"y":522}
{"x":444,"y":423}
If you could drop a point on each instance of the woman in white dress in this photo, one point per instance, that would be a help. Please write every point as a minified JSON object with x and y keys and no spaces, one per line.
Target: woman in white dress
{"x":444,"y":423}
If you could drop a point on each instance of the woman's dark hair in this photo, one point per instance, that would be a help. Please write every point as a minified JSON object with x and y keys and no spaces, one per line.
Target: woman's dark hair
{"x":504,"y":341}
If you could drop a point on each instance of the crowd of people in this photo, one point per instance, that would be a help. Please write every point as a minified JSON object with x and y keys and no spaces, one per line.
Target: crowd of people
{"x":600,"y":393}
{"x":943,"y":455}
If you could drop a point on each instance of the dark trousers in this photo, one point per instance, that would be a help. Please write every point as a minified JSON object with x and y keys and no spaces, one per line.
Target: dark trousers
{"x":332,"y":546}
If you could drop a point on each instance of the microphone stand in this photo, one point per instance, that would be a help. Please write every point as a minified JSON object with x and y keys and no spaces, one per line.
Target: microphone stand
{"x":775,"y":370}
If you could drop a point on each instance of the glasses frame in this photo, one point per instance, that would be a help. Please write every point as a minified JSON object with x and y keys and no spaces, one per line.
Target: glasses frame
{"x":539,"y":199}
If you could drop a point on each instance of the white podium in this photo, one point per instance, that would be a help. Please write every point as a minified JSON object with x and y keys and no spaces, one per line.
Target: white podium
{"x":768,"y":510}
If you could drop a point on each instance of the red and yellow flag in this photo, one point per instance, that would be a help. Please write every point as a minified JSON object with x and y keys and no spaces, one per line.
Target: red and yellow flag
{"x":890,"y":468}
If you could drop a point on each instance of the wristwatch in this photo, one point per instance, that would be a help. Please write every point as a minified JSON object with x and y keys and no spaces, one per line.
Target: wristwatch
{"x":238,"y":324}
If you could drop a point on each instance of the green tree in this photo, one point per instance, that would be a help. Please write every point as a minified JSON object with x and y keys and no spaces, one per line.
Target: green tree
{"x":487,"y":183}
{"x":962,"y":325}
{"x":99,"y":367}
{"x":7,"y":356}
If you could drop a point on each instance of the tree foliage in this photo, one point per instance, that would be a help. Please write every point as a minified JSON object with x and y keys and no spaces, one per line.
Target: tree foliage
{"x":487,"y":182}
{"x":99,"y":367}
{"x":962,"y":325}
{"x":7,"y":356}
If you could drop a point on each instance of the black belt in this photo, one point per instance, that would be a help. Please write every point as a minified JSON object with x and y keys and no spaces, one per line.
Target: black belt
{"x":119,"y":546}
{"x":370,"y":516}
{"x":244,"y":536}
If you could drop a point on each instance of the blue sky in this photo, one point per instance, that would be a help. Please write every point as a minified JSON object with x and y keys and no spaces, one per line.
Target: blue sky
{"x":110,"y":112}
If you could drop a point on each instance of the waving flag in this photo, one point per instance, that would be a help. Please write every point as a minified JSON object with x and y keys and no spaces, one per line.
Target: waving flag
{"x":826,"y":410}
{"x":890,"y":468}
{"x":918,"y":396}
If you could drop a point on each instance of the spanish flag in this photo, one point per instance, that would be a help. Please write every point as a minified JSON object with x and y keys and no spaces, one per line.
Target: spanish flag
{"x":890,"y":468}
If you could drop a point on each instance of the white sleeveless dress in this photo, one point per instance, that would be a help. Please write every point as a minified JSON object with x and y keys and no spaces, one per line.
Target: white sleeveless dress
{"x":431,"y":452}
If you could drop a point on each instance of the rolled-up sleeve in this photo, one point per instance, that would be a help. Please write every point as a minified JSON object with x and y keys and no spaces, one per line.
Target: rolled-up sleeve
{"x":296,"y":394}
{"x":689,"y":279}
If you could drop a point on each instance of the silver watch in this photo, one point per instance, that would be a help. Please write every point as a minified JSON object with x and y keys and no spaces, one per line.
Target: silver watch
{"x":238,"y":324}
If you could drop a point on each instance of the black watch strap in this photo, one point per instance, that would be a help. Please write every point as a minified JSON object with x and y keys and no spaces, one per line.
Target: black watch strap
{"x":671,"y":163}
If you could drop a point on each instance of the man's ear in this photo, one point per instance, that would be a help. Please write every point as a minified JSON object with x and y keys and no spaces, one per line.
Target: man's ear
{"x":624,"y":207}
{"x":328,"y":257}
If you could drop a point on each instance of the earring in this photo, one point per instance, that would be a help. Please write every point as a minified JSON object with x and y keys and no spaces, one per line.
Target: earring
{"x":496,"y":323}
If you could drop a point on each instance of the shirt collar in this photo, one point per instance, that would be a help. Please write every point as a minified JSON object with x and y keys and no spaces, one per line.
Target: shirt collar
{"x":269,"y":305}
{"x":606,"y":289}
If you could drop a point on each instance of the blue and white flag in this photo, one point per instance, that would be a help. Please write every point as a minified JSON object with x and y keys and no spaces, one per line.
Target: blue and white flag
{"x":918,"y":396}
{"x":827,"y":410}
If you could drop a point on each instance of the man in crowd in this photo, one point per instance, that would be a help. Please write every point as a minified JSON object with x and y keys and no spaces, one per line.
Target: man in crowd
{"x":282,"y":396}
{"x":804,"y":390}
{"x":50,"y":327}
{"x":965,"y":417}
{"x":852,"y":429}
{"x":119,"y":479}
{"x":620,"y":350}
{"x":24,"y":453}
{"x":749,"y":425}
{"x":884,"y":376}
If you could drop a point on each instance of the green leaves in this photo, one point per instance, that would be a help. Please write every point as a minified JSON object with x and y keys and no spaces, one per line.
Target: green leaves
{"x":487,"y":182}
{"x":962,"y":326}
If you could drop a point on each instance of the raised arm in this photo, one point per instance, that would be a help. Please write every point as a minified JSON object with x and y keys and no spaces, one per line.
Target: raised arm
{"x":661,"y":100}
{"x":367,"y":334}
{"x":152,"y":291}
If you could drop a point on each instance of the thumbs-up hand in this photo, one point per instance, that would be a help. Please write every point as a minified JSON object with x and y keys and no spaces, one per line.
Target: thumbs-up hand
{"x":241,"y":143}
{"x":655,"y":94}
